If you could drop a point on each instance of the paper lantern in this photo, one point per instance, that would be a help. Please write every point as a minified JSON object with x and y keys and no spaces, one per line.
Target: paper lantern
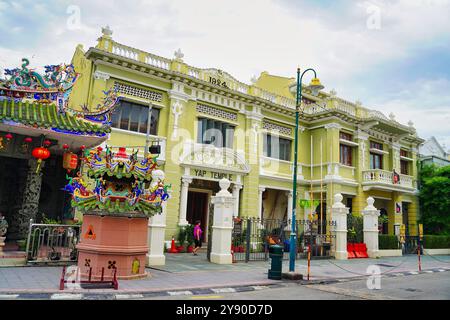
{"x":40,"y":153}
{"x":8,"y":136}
{"x":70,"y":161}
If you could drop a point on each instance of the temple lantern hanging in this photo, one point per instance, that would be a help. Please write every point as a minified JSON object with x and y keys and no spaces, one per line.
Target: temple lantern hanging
{"x":40,"y":153}
{"x":70,"y":161}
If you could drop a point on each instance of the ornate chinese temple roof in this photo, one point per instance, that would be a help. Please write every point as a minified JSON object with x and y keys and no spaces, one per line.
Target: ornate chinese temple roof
{"x":46,"y":116}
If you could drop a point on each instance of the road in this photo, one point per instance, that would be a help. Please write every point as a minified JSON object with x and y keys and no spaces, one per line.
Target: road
{"x":434,"y":286}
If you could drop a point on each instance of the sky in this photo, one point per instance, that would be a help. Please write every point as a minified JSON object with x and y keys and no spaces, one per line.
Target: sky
{"x":392,"y":55}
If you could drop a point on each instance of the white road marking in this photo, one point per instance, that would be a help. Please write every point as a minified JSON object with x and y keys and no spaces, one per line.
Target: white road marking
{"x":260,"y":287}
{"x":8,"y":296}
{"x":224,"y":290}
{"x":66,"y":296}
{"x":179,"y":293}
{"x":128,"y":296}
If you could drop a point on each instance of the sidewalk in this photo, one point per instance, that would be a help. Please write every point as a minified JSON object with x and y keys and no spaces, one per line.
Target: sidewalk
{"x":184,"y":272}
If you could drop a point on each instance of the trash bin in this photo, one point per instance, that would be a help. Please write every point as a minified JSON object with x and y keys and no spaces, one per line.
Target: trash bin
{"x":276,"y":254}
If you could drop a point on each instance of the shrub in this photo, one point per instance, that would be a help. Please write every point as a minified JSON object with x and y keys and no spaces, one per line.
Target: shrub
{"x":436,"y":242}
{"x":355,"y":228}
{"x":190,"y":234}
{"x":386,"y":242}
{"x":181,"y":236}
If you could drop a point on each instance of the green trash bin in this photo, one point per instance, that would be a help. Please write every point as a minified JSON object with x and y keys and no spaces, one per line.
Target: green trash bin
{"x":276,"y":254}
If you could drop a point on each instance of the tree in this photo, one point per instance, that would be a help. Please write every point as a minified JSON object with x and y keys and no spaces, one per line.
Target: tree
{"x":435,"y":199}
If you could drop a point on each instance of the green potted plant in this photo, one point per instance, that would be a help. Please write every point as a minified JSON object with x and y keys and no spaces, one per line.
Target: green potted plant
{"x":190,"y":237}
{"x":181,"y":239}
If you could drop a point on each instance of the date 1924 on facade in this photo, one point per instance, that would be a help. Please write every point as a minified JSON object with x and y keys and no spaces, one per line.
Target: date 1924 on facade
{"x":218,"y":82}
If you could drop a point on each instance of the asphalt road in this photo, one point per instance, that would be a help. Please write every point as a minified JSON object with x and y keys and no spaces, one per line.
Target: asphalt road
{"x":434,"y":286}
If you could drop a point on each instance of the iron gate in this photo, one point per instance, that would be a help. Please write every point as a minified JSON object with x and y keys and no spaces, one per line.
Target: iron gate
{"x":252,"y":237}
{"x":411,"y":245}
{"x":52,"y":243}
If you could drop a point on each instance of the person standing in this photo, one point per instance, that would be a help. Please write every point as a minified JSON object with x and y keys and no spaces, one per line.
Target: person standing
{"x":197,"y":237}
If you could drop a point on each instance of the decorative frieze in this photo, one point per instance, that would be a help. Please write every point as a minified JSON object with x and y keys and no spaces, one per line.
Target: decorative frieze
{"x":275,"y":127}
{"x":138,"y":92}
{"x":215,"y":112}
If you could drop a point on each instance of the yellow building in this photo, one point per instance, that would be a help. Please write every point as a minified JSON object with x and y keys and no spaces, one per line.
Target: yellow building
{"x":211,"y":125}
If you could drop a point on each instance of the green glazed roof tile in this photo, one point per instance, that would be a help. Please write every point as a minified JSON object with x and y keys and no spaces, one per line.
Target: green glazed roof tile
{"x":46,"y":116}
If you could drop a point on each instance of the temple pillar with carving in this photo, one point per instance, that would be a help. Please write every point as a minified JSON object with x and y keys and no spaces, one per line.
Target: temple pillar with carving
{"x":29,"y":206}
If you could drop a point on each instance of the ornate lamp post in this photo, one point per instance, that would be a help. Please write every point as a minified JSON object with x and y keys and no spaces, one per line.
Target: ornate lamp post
{"x":315,"y":86}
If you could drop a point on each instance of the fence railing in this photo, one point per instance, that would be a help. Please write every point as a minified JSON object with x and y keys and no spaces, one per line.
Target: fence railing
{"x":252,"y":237}
{"x":49,"y":243}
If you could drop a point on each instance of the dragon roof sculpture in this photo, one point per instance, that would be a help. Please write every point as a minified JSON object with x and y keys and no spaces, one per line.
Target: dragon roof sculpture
{"x":42,"y":92}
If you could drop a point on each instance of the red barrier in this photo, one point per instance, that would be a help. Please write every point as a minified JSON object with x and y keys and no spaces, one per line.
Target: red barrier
{"x":361,"y":250}
{"x":351,"y":251}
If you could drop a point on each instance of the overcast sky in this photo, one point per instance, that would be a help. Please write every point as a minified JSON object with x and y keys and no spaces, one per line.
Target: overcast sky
{"x":392,"y":55}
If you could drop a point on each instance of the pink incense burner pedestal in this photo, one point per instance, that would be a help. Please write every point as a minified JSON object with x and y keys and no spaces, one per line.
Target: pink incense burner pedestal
{"x":113,"y":241}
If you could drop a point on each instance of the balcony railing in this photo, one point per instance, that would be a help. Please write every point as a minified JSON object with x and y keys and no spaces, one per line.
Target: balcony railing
{"x":387,"y":178}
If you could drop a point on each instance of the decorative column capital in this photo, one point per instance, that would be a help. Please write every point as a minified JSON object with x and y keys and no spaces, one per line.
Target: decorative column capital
{"x":237,"y":187}
{"x":98,"y":75}
{"x":333,"y":126}
{"x":361,"y":135}
{"x":186,"y":181}
{"x":261,"y":189}
{"x":395,"y":146}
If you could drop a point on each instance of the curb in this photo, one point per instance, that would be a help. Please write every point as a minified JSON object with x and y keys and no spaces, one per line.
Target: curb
{"x":132,"y":295}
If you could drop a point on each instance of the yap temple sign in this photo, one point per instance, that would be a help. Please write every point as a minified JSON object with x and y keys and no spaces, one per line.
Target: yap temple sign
{"x":212,"y":174}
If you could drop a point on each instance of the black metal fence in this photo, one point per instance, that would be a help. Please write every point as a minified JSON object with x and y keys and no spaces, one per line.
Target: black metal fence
{"x":252,"y":237}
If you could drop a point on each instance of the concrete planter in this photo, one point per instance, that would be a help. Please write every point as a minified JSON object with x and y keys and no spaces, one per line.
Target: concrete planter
{"x":433,"y":252}
{"x":390,"y":253}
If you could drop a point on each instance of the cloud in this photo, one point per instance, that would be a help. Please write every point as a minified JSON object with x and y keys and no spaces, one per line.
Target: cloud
{"x":247,"y":37}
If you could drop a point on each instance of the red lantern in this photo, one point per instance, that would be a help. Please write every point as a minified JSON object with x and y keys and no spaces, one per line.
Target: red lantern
{"x":28,"y":140}
{"x":82,"y":147}
{"x":70,"y":161}
{"x":8,"y":136}
{"x":47,"y":143}
{"x":65,"y":146}
{"x":40,"y":153}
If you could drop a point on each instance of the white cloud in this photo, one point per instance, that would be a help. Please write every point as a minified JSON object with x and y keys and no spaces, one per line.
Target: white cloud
{"x":247,"y":37}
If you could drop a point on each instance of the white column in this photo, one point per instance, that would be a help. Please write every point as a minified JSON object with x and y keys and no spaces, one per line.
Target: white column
{"x":183,"y":201}
{"x":223,"y":225}
{"x":370,"y":216}
{"x":289,"y":210}
{"x":340,"y":213}
{"x":156,"y":233}
{"x":260,"y":199}
{"x":236,"y":189}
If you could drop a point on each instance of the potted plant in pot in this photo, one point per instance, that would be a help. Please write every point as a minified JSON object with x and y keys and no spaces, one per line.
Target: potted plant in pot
{"x":181,"y":239}
{"x":190,"y":237}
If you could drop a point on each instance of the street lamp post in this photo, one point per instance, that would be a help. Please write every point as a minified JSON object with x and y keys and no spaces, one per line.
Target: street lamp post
{"x":315,"y":86}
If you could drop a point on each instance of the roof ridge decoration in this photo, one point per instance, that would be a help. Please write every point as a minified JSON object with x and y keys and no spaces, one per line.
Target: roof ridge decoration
{"x":53,"y":86}
{"x":52,"y":90}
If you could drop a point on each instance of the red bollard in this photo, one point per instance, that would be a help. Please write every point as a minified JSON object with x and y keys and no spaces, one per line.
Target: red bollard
{"x":61,"y":281}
